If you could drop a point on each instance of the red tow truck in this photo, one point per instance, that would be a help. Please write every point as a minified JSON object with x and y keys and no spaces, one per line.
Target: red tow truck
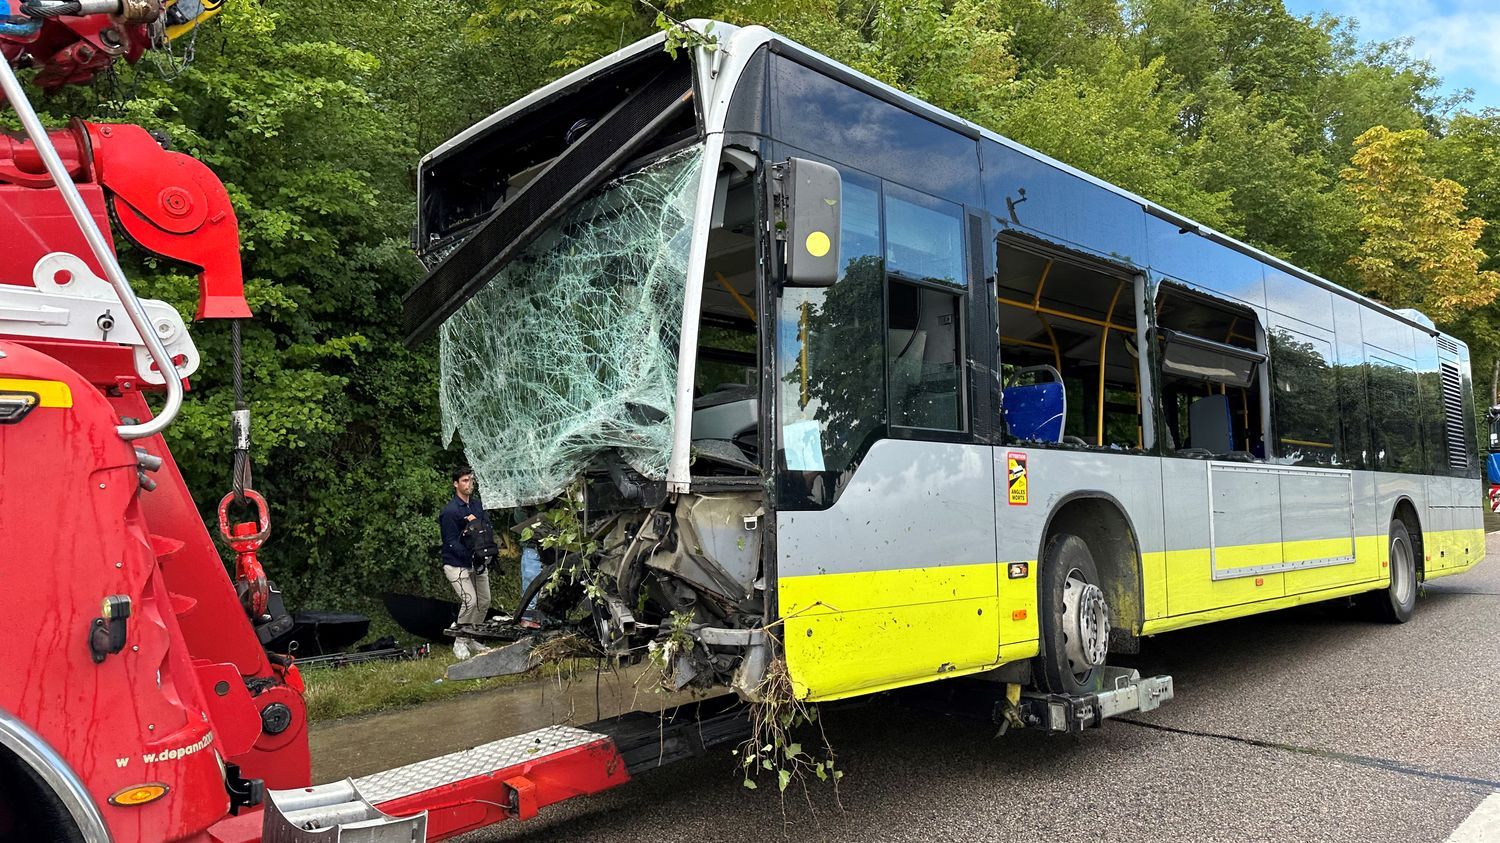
{"x":138,"y":700}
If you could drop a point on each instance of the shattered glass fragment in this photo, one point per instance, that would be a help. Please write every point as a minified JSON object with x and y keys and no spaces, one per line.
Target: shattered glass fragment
{"x":572,"y":348}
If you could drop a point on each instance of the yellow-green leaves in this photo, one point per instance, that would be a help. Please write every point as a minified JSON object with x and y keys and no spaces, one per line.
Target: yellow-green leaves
{"x":1418,"y":250}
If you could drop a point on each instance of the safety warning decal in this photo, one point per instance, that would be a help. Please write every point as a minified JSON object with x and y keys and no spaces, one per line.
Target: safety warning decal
{"x":1016,"y":480}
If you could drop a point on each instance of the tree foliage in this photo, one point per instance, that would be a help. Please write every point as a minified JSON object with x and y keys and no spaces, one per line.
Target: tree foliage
{"x":1284,"y":130}
{"x":1418,"y":249}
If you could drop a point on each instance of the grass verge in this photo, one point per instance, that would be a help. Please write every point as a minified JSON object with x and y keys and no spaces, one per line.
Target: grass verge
{"x":334,"y":692}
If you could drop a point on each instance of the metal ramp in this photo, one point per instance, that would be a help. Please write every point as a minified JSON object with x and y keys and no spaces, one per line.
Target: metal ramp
{"x":335,"y":813}
{"x":440,"y":797}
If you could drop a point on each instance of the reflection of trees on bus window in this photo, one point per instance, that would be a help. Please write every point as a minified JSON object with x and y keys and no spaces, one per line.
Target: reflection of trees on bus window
{"x":1393,"y":405}
{"x":830,"y":343}
{"x":1304,"y":396}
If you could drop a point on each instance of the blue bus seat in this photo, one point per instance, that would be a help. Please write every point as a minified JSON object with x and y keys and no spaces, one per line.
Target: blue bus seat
{"x":1034,"y":411}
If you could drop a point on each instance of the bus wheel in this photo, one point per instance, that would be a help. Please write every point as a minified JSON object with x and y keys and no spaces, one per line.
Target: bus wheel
{"x":1396,"y":603}
{"x":1074,"y":618}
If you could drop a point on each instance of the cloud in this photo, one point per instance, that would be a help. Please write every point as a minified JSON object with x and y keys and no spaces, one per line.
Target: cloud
{"x":1457,"y":36}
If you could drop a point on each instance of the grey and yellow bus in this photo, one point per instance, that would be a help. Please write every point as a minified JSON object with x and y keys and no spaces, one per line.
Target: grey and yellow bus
{"x":835,"y":377}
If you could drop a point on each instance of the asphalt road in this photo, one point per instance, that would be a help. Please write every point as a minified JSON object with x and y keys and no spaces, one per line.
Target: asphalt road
{"x":1308,"y":724}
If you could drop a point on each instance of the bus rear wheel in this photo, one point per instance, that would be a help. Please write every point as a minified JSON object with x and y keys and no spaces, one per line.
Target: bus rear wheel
{"x":1397,"y":602}
{"x":1074,"y":619}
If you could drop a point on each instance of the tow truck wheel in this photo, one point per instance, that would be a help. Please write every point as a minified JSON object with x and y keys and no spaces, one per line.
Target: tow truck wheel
{"x":28,"y":809}
{"x":1074,"y":619}
{"x":1399,"y":600}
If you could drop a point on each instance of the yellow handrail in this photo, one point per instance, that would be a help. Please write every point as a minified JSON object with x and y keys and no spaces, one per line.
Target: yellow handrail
{"x":735,"y":294}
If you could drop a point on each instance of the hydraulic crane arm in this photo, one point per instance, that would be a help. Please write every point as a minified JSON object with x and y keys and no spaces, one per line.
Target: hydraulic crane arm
{"x":167,"y":203}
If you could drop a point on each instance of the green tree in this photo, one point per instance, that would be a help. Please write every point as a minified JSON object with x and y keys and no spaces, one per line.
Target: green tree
{"x":1418,"y":250}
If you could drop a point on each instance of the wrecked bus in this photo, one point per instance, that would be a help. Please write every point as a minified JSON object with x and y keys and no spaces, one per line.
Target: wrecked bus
{"x":837,"y":378}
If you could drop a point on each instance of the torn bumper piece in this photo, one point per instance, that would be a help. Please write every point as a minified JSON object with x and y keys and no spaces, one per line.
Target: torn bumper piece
{"x":1074,"y":713}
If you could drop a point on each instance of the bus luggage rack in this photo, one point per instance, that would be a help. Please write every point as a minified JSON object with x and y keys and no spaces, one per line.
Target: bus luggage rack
{"x":1064,"y":713}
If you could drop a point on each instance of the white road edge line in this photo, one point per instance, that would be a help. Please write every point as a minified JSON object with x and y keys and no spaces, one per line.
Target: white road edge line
{"x":1482,"y":825}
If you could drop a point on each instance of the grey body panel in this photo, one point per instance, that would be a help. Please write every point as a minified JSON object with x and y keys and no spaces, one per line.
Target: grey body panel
{"x":909,"y":505}
{"x":1132,"y":481}
{"x":924,"y":504}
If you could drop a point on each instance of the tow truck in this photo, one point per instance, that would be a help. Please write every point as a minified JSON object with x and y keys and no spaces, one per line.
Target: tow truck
{"x":140,"y":702}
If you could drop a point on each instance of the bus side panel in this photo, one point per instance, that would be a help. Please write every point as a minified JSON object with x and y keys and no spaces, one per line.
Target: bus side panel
{"x":1462,"y":542}
{"x":896,"y":583}
{"x":1438,"y":523}
{"x":1369,"y":543}
{"x":1390,"y":488}
{"x":1133,"y":482}
{"x":1247,"y":536}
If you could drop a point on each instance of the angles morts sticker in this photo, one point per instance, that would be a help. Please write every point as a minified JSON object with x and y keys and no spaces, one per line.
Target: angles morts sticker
{"x":1016,"y":480}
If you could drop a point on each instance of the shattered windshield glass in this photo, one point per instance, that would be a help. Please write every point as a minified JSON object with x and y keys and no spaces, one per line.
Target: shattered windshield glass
{"x":572,"y":347}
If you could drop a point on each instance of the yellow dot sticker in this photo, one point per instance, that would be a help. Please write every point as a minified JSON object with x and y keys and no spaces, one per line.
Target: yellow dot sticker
{"x":818,"y":244}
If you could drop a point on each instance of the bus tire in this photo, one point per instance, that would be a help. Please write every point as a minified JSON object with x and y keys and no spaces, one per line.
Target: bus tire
{"x":1397,"y":602}
{"x":1074,"y":619}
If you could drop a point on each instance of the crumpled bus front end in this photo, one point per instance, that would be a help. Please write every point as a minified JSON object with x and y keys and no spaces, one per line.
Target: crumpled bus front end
{"x":558,"y":293}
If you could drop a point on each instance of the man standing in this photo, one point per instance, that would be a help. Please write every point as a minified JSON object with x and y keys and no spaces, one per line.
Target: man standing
{"x":470,"y":583}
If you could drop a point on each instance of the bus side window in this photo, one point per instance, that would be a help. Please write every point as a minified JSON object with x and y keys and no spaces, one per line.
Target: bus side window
{"x":923,"y":357}
{"x":924,"y":306}
{"x":1068,"y":322}
{"x":1304,"y":399}
{"x":1211,"y":374}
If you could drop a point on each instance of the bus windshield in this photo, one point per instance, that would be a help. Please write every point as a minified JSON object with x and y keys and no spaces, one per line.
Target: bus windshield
{"x":572,"y":348}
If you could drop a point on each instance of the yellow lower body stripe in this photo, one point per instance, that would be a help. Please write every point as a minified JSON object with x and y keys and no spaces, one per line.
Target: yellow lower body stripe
{"x":848,"y":634}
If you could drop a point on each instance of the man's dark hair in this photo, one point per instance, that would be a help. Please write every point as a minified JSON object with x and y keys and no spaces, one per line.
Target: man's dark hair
{"x":461,"y":471}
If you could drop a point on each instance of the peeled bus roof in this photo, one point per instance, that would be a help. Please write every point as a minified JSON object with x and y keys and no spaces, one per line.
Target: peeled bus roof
{"x":754,"y":36}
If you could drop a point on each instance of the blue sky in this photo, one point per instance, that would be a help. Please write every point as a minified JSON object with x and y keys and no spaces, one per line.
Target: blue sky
{"x":1460,"y":37}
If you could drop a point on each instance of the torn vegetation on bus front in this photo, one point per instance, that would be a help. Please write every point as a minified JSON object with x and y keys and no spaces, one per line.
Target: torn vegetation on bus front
{"x":559,"y":377}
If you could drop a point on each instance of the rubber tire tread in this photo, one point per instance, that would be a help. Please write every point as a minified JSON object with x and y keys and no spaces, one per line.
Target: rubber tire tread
{"x":1384,"y":605}
{"x":1064,"y":552}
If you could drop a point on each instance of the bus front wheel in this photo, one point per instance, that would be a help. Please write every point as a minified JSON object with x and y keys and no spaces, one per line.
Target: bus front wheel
{"x":1396,"y":603}
{"x":1074,"y":618}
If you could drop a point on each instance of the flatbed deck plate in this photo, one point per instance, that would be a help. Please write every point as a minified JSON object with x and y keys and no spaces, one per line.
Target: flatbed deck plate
{"x":482,"y":760}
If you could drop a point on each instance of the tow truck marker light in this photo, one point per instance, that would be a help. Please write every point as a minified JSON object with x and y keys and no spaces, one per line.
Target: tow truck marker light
{"x":15,"y":405}
{"x":139,"y":794}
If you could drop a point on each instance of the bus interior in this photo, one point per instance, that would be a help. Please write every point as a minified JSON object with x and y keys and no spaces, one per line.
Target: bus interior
{"x":726,"y":383}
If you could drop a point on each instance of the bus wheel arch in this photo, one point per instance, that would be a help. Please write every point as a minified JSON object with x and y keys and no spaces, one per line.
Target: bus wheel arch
{"x":1100,"y":521}
{"x":1406,"y":512}
{"x":1396,"y":602}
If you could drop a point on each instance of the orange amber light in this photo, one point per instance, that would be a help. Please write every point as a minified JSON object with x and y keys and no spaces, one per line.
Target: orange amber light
{"x":138,"y":794}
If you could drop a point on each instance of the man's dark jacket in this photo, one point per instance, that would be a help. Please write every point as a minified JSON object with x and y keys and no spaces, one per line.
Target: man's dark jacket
{"x":451,"y":525}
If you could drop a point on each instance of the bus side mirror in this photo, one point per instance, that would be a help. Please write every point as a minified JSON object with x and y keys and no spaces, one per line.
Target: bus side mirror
{"x":812,"y":206}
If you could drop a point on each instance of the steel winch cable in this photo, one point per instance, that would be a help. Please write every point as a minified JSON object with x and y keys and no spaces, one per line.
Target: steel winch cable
{"x":239,"y":419}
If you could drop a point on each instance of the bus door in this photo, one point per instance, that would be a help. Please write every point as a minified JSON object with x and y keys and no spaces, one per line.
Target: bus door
{"x":885,"y":526}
